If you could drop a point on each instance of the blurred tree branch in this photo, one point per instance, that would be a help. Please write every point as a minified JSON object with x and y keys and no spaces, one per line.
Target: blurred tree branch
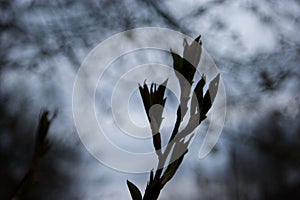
{"x":42,"y":146}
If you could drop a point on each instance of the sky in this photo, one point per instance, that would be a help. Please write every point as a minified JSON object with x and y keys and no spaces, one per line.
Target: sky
{"x":241,"y":37}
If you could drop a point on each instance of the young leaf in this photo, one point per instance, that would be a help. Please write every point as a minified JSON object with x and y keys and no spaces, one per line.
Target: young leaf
{"x":177,"y":62}
{"x":134,"y":191}
{"x":210,"y":95}
{"x":197,"y":97}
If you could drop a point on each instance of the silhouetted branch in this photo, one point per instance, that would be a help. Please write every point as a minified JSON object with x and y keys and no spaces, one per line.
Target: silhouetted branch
{"x":42,"y":146}
{"x":178,"y":143}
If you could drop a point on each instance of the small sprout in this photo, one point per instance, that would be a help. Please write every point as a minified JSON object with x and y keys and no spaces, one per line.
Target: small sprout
{"x":154,"y":103}
{"x":134,"y":191}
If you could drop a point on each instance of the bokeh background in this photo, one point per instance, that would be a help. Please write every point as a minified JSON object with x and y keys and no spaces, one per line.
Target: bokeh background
{"x":255,"y":44}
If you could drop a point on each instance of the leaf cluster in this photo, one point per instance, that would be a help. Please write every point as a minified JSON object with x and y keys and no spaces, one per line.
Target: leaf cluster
{"x":177,"y":147}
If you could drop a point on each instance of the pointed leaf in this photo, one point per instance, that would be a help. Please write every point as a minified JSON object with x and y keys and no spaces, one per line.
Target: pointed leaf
{"x":213,"y":87}
{"x":197,"y":97}
{"x":134,"y":191}
{"x":177,"y":62}
{"x":198,"y":39}
{"x":191,"y":55}
{"x":210,"y":95}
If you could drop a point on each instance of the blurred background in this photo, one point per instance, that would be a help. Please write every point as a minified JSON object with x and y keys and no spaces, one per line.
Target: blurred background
{"x":255,"y":44}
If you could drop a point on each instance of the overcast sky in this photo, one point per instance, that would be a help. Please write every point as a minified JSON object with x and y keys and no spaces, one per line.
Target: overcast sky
{"x":238,"y":35}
